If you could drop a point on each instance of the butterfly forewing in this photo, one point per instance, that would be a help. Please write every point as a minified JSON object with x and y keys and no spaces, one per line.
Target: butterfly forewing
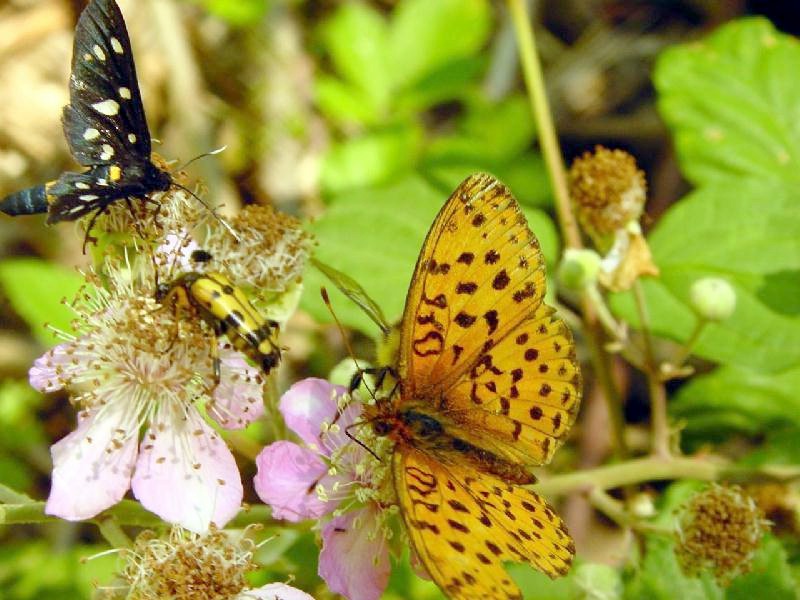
{"x":104,"y":122}
{"x":479,"y":274}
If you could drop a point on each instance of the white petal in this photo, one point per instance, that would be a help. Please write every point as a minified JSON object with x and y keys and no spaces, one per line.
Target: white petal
{"x":271,"y":591}
{"x":92,"y":466}
{"x":186,"y":474}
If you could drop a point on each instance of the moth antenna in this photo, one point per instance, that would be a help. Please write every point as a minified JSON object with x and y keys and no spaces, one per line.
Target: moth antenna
{"x":326,"y":299}
{"x":222,"y":221}
{"x":203,"y":155}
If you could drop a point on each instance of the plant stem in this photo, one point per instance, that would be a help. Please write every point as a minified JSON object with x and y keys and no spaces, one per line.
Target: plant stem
{"x":111,"y":530}
{"x":548,"y":140}
{"x":659,"y":422}
{"x":690,"y":343}
{"x":654,"y":468}
{"x":615,"y":510}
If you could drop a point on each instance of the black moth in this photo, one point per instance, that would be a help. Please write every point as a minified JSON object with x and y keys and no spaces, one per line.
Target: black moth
{"x":104,"y":124}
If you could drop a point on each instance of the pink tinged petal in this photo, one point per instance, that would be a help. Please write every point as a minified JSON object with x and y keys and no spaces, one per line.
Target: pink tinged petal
{"x":51,"y":369}
{"x":274,"y":591}
{"x":287,"y":478}
{"x":92,"y":466}
{"x":307,"y":405}
{"x":351,"y":563}
{"x":186,"y":475}
{"x":238,"y":399}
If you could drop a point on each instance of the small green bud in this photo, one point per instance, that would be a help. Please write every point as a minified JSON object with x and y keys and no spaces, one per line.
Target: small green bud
{"x":713,"y":298}
{"x":578,"y":269}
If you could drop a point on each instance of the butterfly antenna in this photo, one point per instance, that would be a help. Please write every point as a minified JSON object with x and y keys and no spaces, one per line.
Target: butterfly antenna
{"x":326,"y":299}
{"x":222,"y":221}
{"x":199,"y":156}
{"x":359,"y":442}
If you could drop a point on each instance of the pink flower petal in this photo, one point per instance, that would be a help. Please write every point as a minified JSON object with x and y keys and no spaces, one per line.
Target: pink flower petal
{"x":286,"y":480}
{"x":351,"y":563}
{"x":92,"y":466}
{"x":274,"y":591}
{"x":49,"y":371}
{"x":238,"y":399}
{"x":186,"y":474}
{"x":307,"y":405}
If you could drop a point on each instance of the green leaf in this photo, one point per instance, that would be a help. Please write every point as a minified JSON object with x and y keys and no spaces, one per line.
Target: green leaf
{"x":237,"y":12}
{"x":450,"y":82}
{"x":770,"y":576}
{"x":489,"y":132}
{"x":374,"y":236}
{"x":372,"y":159}
{"x":659,"y":577}
{"x":732,"y":102}
{"x":747,"y":232}
{"x":355,"y":38}
{"x":343,"y":102}
{"x":758,"y":400}
{"x":35,"y":289}
{"x":424,"y":36}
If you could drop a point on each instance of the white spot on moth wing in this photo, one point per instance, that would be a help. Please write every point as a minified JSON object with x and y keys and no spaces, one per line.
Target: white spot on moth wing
{"x":91,"y":134}
{"x":132,"y":138}
{"x":98,"y":52}
{"x":88,"y":197}
{"x":125,"y":93}
{"x":102,"y":182}
{"x":107,"y":107}
{"x":107,"y":153}
{"x":116,"y":46}
{"x":81,"y":186}
{"x":76,"y":208}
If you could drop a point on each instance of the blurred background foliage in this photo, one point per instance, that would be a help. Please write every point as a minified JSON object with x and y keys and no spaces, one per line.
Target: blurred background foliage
{"x":361,"y":117}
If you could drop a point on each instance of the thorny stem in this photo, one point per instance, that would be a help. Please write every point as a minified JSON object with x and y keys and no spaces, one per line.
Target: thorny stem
{"x":548,"y":140}
{"x":658,"y":394}
{"x":654,"y":468}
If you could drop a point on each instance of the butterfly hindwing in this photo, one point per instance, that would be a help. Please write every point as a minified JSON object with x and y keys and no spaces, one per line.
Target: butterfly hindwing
{"x":104,"y":122}
{"x":464,"y":524}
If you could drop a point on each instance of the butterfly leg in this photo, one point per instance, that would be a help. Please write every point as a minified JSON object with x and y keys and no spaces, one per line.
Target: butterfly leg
{"x":380,"y":374}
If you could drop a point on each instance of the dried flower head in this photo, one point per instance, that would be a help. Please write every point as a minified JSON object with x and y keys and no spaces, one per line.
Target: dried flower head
{"x":609,"y":191}
{"x":187,"y":565}
{"x":719,"y":530}
{"x":270,"y":254}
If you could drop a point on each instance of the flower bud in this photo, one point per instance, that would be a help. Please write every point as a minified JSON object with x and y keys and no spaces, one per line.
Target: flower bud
{"x":578,"y":269}
{"x":713,"y":298}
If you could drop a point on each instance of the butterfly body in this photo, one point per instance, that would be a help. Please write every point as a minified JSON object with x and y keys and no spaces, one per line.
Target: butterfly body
{"x":104,"y":125}
{"x":487,"y":386}
{"x":427,"y":433}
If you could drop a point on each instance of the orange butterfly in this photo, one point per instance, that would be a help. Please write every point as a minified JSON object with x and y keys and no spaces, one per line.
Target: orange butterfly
{"x":488,"y":386}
